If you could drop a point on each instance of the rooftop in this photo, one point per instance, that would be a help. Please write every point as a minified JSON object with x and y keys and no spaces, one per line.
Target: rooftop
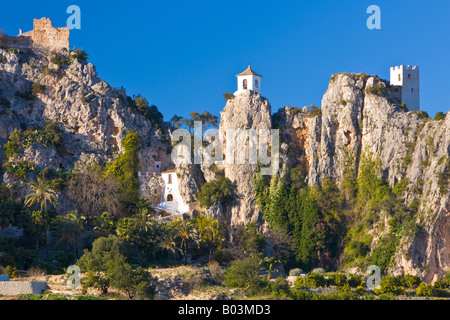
{"x":248,"y":72}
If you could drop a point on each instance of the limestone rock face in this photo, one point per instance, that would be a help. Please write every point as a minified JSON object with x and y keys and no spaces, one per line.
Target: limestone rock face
{"x":248,"y":110}
{"x":93,"y":117}
{"x":353,"y":121}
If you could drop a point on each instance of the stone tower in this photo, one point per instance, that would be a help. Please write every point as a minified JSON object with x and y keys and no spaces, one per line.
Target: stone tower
{"x":405,"y":79}
{"x":248,"y":80}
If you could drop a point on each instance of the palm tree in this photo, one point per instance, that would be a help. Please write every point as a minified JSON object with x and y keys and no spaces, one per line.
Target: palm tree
{"x":104,"y":224}
{"x":38,"y":219}
{"x":186,"y":232}
{"x":209,"y":230}
{"x":41,"y":193}
{"x":166,"y":242}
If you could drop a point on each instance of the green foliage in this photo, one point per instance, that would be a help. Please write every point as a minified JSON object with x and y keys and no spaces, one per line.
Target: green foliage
{"x":241,"y":273}
{"x":219,"y":189}
{"x":249,"y":239}
{"x":125,"y":168}
{"x":425,"y":290}
{"x":378,"y":89}
{"x":384,"y":251}
{"x":134,"y":282}
{"x":343,"y":102}
{"x":422,"y":114}
{"x":78,"y":54}
{"x":439,"y":116}
{"x":47,"y":136}
{"x":37,"y":88}
{"x":152,"y":113}
{"x":19,"y":169}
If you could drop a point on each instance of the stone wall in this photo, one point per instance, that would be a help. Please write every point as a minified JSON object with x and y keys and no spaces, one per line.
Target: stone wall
{"x":12,"y":288}
{"x":45,"y":35}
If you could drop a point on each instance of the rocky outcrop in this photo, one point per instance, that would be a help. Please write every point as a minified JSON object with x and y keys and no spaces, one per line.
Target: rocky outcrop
{"x":248,"y":110}
{"x":354,"y":120}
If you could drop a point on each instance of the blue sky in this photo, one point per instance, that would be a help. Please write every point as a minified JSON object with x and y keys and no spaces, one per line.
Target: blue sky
{"x":183,"y":55}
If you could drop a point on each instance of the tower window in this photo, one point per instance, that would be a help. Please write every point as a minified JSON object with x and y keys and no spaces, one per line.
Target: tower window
{"x":399,"y":77}
{"x":409,"y":76}
{"x":170,"y":178}
{"x":256,"y":83}
{"x":412,"y":89}
{"x":244,"y":83}
{"x":169,"y":198}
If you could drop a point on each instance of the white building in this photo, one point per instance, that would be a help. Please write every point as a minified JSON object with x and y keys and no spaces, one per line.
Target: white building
{"x":406,"y":78}
{"x":248,"y":80}
{"x":171,"y":199}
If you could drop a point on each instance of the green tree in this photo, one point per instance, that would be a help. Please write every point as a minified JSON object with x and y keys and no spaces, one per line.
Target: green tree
{"x":105,"y":224}
{"x":134,"y":282}
{"x":210,"y":232}
{"x":166,"y":242}
{"x":219,"y":189}
{"x":125,"y":167}
{"x":241,"y":273}
{"x":187,"y":233}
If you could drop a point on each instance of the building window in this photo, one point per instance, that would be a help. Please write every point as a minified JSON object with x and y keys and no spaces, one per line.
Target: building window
{"x":244,"y":84}
{"x":169,"y":198}
{"x":409,"y":76}
{"x":399,"y":77}
{"x":170,"y":178}
{"x":412,"y":89}
{"x":256,"y":83}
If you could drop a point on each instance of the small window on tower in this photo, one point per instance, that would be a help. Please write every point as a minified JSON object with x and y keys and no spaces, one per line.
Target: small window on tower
{"x":256,"y":83}
{"x":399,"y":77}
{"x":170,"y":178}
{"x":244,"y":84}
{"x":409,"y":76}
{"x":412,"y":89}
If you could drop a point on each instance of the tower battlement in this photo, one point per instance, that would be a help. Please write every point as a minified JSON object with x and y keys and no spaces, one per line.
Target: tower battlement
{"x":406,"y":79}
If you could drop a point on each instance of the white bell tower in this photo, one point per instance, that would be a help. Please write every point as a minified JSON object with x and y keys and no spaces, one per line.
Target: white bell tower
{"x":248,"y":80}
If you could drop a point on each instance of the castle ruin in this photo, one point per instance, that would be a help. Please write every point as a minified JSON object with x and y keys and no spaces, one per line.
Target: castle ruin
{"x":45,"y":35}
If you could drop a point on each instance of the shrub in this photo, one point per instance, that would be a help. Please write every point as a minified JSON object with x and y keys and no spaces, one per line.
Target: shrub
{"x":78,"y":54}
{"x":11,"y":271}
{"x":425,"y":290}
{"x":223,"y":256}
{"x":315,"y":280}
{"x":219,"y":189}
{"x":228,"y":96}
{"x":411,"y":281}
{"x":301,"y":294}
{"x":343,"y":102}
{"x":377,"y":89}
{"x":216,"y":272}
{"x":439,"y":116}
{"x":242,"y":272}
{"x":422,"y":114}
{"x":280,"y":287}
{"x":295,"y":272}
{"x":37,"y":88}
{"x":360,"y":290}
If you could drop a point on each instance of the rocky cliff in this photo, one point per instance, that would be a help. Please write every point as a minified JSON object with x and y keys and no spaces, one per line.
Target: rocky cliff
{"x":356,"y":117}
{"x":39,"y":86}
